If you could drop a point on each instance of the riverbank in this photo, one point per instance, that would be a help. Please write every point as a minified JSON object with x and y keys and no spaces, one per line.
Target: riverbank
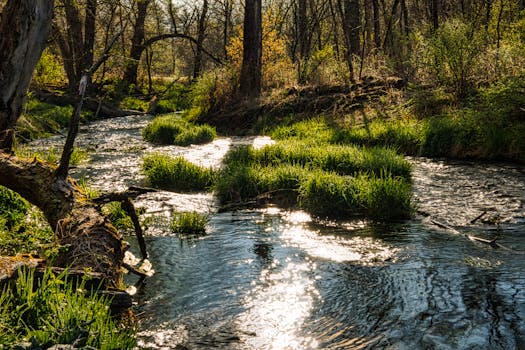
{"x":419,"y":121}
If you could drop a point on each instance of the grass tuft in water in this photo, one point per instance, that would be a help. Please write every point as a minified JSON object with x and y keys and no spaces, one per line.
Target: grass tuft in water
{"x":172,"y":129}
{"x":326,"y":180}
{"x":189,"y":223}
{"x":53,"y":310}
{"x":176,"y":174}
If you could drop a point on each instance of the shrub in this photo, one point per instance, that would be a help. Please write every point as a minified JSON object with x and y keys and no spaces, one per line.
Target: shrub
{"x":454,"y":48}
{"x":189,"y":223}
{"x":54,"y":310}
{"x":176,"y":174}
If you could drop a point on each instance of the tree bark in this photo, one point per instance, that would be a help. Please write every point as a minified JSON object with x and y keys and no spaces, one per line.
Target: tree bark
{"x":24,"y":28}
{"x":201,"y":31}
{"x":250,"y":80}
{"x":137,"y":45}
{"x":377,"y":24}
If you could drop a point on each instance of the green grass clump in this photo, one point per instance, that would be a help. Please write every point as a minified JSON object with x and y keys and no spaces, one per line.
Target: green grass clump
{"x":342,"y":159}
{"x":134,"y":103}
{"x":171,"y":129}
{"x":41,"y":119}
{"x":176,"y":174}
{"x":316,"y":130}
{"x":376,"y":197}
{"x":189,"y":223}
{"x":118,"y":216}
{"x":307,"y":176}
{"x":404,"y":135}
{"x":163,"y":129}
{"x":195,"y":135}
{"x":53,"y":310}
{"x":51,"y":156}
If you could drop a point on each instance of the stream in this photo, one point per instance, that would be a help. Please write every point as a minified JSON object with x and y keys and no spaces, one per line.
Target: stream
{"x":277,"y":279}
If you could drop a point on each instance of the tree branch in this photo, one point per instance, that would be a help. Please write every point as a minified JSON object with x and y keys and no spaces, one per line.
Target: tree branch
{"x":63,"y":167}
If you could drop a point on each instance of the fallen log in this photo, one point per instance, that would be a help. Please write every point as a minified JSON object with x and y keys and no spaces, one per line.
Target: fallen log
{"x":101,"y":108}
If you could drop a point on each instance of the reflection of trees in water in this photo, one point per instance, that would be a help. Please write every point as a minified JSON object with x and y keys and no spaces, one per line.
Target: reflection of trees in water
{"x":485,"y":305}
{"x":263,"y":250}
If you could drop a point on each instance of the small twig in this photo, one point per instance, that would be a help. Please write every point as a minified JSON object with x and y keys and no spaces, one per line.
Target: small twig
{"x":473,"y":221}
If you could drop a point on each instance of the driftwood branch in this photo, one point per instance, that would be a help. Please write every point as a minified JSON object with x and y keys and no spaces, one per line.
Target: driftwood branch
{"x":491,"y":243}
{"x":127,"y":205}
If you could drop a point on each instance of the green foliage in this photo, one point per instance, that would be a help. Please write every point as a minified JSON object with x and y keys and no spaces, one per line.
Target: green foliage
{"x":213,"y":90}
{"x":376,"y":197}
{"x":176,"y":98}
{"x":195,"y":135}
{"x":51,"y":156}
{"x":39,"y":119}
{"x":130,"y":102}
{"x":176,"y":174}
{"x":189,"y":223}
{"x":89,"y":191}
{"x":342,"y":159}
{"x":22,"y":229}
{"x":315,"y":130}
{"x":402,"y":134}
{"x":171,"y":129}
{"x":13,"y":208}
{"x":118,"y":216}
{"x":49,"y":70}
{"x":454,"y":48}
{"x":163,"y":130}
{"x":53,"y":310}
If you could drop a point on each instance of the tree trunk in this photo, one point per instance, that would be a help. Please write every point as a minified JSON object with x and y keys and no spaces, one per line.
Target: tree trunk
{"x":137,"y":45}
{"x":435,"y":14}
{"x":89,"y":33}
{"x":377,"y":24}
{"x":250,"y":80}
{"x":197,"y":67}
{"x":24,"y":28}
{"x":91,"y":241}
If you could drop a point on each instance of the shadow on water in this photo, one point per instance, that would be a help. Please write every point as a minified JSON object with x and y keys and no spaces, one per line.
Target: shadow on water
{"x":276,"y":279}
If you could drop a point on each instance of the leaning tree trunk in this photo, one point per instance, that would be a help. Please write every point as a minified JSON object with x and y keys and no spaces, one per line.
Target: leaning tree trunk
{"x":90,"y":239}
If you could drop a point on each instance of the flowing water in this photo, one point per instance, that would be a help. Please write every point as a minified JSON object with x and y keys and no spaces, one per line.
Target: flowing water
{"x":276,"y":279}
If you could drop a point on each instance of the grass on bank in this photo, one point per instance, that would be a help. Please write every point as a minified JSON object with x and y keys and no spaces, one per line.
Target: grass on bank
{"x":189,"y":223}
{"x":53,"y":310}
{"x":173,"y":130}
{"x":40,"y":119}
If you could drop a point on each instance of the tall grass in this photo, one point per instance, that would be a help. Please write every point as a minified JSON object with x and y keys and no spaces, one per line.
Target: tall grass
{"x":315,"y":178}
{"x":176,"y":174}
{"x":189,"y":223}
{"x":172,"y":129}
{"x":54,"y":310}
{"x":342,"y":159}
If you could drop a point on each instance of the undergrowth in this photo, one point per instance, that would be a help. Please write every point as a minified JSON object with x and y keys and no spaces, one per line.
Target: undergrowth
{"x":53,"y":310}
